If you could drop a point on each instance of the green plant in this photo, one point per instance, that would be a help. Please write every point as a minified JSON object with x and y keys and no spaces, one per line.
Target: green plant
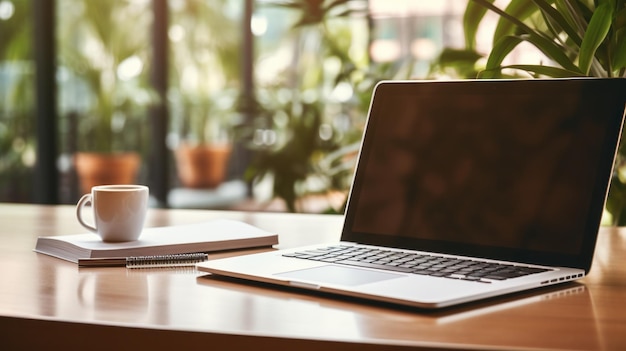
{"x":204,"y":51}
{"x":103,"y":56}
{"x":17,"y":130}
{"x":299,"y":121}
{"x":290,"y":157}
{"x":577,"y":37}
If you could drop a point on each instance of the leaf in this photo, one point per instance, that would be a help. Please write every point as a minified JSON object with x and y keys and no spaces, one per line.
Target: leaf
{"x":549,"y":71}
{"x":619,"y":55}
{"x":523,"y":28}
{"x":573,"y":14}
{"x":520,"y":9}
{"x":553,"y":51}
{"x":559,"y":18}
{"x":615,"y":202}
{"x":500,"y":51}
{"x":472,"y":18}
{"x":504,"y":45}
{"x":508,"y":43}
{"x":449,"y":55}
{"x":597,"y":31}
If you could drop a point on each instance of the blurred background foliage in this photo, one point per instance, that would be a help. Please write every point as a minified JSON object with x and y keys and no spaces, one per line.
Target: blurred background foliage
{"x":315,"y":65}
{"x":17,"y":102}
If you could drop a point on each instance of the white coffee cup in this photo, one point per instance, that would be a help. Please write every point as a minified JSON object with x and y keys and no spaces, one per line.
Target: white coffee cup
{"x":119,"y":211}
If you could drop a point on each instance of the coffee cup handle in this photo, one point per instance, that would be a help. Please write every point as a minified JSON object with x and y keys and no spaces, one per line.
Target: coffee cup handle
{"x":84,"y":200}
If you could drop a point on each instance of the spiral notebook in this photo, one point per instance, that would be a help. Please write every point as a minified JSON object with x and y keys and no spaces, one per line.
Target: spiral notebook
{"x":143,"y":262}
{"x":209,"y":236}
{"x":464,"y":190}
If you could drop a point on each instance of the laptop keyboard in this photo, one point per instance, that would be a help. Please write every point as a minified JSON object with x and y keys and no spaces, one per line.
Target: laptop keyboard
{"x":424,"y":264}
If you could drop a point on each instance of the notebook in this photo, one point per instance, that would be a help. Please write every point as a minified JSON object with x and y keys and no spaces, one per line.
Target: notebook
{"x":207,"y":236}
{"x":464,"y":190}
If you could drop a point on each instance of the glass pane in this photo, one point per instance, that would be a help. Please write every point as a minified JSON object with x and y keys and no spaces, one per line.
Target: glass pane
{"x":313,"y":86}
{"x":205,"y":46}
{"x":104,"y":93}
{"x":17,"y":127}
{"x":205,"y":40}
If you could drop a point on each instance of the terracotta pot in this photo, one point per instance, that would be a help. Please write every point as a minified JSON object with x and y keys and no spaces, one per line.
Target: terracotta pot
{"x":101,"y":169}
{"x":202,"y":166}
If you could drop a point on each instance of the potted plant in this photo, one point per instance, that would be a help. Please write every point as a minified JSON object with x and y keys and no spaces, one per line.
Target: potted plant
{"x":203,"y":154}
{"x":578,"y":38}
{"x":103,"y":86}
{"x":205,"y":71}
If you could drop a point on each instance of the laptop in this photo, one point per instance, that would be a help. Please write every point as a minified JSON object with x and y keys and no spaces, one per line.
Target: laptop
{"x":464,"y":190}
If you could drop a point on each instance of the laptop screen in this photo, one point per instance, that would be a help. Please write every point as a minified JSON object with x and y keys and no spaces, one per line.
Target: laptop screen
{"x":510,"y":169}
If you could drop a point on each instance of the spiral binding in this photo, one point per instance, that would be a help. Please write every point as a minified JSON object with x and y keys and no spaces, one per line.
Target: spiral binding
{"x":161,"y":261}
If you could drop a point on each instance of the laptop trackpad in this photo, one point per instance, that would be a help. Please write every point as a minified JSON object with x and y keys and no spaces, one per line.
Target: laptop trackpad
{"x":339,"y":275}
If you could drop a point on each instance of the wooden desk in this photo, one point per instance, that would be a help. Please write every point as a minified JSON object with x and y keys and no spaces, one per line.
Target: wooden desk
{"x":46,"y":302}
